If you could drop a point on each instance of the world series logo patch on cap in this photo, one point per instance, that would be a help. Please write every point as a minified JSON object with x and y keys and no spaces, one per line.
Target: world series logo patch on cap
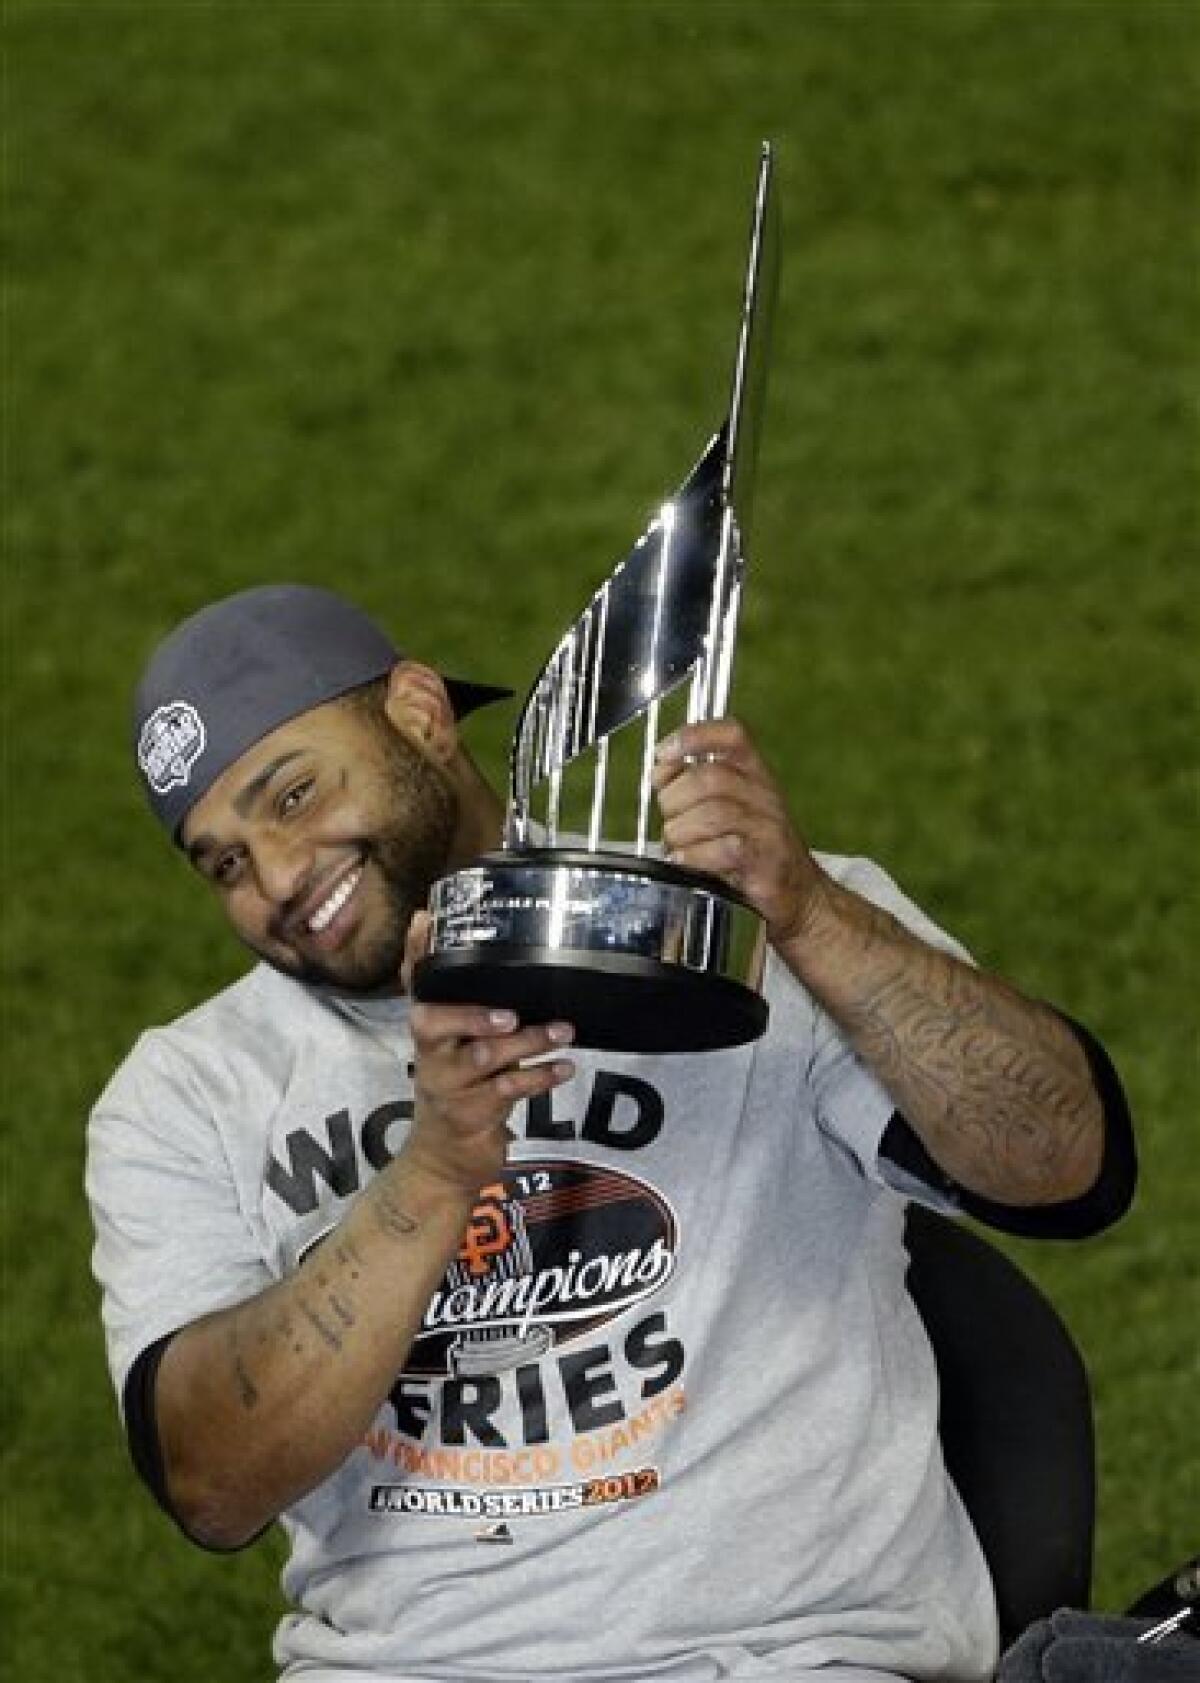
{"x":171,"y":742}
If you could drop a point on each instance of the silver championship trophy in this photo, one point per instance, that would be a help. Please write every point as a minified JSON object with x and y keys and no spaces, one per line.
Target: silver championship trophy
{"x":640,"y":955}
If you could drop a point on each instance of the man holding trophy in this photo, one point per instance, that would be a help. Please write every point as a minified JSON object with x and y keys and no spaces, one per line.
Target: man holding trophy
{"x":538,"y":1260}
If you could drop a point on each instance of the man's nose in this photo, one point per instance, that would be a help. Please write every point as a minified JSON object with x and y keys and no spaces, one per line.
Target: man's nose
{"x":283,"y":864}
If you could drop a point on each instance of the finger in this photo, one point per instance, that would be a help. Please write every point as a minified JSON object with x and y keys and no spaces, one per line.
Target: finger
{"x":753,"y":812}
{"x":768,"y":873}
{"x":451,"y":1066}
{"x":708,"y":736}
{"x":510,"y":1050}
{"x":739,"y":781}
{"x":488,"y":1102}
{"x":434,"y":1025}
{"x":722,"y":739}
{"x":514,"y":1084}
{"x":718,"y":856}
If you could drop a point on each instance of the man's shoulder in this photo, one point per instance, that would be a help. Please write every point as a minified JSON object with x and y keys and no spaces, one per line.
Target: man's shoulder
{"x":237,"y":1014}
{"x":237,"y":1035}
{"x":257,"y":995}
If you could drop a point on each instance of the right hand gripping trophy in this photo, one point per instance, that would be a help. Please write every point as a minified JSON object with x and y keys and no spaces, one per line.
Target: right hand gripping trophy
{"x":640,"y":955}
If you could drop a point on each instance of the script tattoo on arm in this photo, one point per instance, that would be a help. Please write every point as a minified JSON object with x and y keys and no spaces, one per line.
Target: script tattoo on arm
{"x":259,"y":1402}
{"x":324,"y":1311}
{"x":246,"y":1389}
{"x":995,"y":1083}
{"x":320,"y":1326}
{"x":391,"y":1216}
{"x":320,"y":1311}
{"x":324,"y":1304}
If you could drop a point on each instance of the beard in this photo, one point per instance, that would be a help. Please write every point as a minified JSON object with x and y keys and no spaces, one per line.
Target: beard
{"x":404,"y":854}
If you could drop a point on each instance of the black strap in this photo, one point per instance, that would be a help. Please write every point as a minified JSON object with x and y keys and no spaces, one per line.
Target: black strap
{"x":145,"y":1445}
{"x":141,"y":1422}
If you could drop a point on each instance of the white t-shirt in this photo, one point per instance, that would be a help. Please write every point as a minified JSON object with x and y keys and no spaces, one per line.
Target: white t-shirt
{"x":672,"y":1413}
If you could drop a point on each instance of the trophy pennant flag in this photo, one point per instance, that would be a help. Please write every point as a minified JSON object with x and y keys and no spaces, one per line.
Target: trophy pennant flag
{"x":639,"y":954}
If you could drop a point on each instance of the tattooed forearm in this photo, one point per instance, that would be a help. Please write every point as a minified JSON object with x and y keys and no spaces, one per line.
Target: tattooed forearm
{"x":319,"y":1312}
{"x":995,"y":1084}
{"x":392,"y":1217}
{"x":324,"y":1332}
{"x":246,"y":1388}
{"x":330,"y":1316}
{"x":259,"y":1402}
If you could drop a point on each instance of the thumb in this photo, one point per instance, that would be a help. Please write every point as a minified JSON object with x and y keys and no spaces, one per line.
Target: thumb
{"x":416,"y":946}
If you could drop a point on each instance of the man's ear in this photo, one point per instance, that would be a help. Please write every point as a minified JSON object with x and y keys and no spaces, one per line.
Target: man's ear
{"x":419,"y":708}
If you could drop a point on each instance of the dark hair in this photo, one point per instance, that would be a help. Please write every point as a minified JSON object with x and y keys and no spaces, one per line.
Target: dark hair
{"x":369,"y":699}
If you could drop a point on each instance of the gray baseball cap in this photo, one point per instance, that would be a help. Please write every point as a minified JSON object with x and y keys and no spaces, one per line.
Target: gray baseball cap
{"x":226,"y":677}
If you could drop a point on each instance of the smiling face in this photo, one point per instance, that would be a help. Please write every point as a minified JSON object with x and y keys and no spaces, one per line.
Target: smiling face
{"x":321,"y":842}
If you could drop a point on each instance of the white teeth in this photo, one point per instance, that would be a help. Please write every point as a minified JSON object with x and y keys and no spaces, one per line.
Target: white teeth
{"x":329,"y":909}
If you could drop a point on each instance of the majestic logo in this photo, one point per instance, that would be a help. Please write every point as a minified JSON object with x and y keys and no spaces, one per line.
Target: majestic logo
{"x":171,"y":742}
{"x":552,"y":1251}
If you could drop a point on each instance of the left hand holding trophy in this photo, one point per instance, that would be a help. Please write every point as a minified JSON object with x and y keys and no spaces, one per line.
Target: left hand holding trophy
{"x":638,"y":953}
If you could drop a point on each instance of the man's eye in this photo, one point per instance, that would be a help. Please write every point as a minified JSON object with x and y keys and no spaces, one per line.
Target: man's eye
{"x":226,"y":869}
{"x":295,"y":797}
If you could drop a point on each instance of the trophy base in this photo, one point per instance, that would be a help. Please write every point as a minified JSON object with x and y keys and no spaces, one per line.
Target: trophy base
{"x":615,"y":1004}
{"x":638,"y":955}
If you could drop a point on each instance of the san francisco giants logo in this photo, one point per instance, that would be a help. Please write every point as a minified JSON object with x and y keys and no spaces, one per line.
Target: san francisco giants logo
{"x":489,"y":1232}
{"x":495,"y":1247}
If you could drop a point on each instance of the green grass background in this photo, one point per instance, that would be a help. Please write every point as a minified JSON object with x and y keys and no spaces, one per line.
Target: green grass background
{"x":432,"y":302}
